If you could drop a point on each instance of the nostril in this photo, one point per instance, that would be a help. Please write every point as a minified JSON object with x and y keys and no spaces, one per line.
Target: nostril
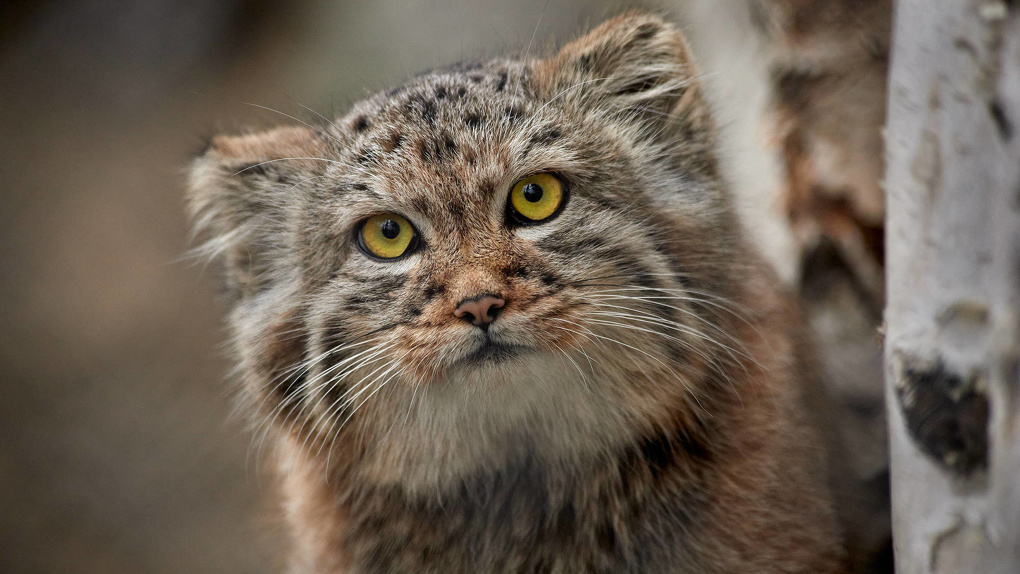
{"x":491,"y":307}
{"x":494,"y":312}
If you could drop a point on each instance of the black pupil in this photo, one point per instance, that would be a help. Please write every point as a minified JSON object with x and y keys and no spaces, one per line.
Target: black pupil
{"x":533,"y":192}
{"x":390,"y":229}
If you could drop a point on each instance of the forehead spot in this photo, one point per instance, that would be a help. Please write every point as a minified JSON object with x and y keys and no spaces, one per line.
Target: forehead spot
{"x":546,"y":136}
{"x":365,"y":156}
{"x":362,"y":187}
{"x":457,"y":208}
{"x":424,"y":107}
{"x":361,"y":124}
{"x":513,"y":113}
{"x":586,"y":62}
{"x":425,"y":151}
{"x":421,"y":204}
{"x":428,"y":111}
{"x":486,"y":188}
{"x":437,"y":150}
{"x":542,"y":138}
{"x":393,"y":142}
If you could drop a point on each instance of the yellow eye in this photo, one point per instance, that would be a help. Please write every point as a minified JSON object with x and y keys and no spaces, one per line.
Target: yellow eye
{"x":386,"y":236}
{"x":536,"y":198}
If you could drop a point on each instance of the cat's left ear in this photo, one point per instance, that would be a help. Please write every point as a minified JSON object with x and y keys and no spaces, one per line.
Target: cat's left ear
{"x":635,"y":64}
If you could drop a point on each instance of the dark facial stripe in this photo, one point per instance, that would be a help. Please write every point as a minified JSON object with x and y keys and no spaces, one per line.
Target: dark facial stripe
{"x":571,"y":244}
{"x":543,"y":138}
{"x":531,"y":272}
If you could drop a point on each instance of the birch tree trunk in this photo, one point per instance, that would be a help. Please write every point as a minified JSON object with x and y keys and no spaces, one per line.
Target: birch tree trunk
{"x":953,"y":269}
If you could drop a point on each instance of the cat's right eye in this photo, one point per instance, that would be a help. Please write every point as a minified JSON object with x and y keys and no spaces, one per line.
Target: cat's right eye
{"x":387,"y":236}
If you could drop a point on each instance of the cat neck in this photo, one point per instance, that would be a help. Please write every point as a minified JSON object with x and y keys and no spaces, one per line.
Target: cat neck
{"x":632,"y":507}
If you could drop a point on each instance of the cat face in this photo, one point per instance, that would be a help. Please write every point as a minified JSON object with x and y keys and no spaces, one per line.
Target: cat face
{"x":535,"y":245}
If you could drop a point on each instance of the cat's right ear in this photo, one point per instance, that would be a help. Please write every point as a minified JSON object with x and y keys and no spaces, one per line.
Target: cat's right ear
{"x":238,"y":198}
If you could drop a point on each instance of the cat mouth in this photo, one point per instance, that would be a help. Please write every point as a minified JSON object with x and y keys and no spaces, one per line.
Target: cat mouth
{"x":490,"y":351}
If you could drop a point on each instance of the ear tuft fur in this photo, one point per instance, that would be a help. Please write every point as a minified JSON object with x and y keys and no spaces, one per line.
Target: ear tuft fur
{"x":237,"y":197}
{"x":636,"y":64}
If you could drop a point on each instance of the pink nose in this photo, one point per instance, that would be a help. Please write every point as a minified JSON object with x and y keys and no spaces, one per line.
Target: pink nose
{"x":479,"y":311}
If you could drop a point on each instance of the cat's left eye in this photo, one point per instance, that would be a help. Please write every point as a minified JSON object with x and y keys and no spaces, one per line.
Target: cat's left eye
{"x":386,"y":236}
{"x":536,"y":198}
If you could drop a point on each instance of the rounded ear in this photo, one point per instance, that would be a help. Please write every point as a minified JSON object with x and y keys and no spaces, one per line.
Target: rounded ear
{"x":636,"y":64}
{"x":238,"y":196}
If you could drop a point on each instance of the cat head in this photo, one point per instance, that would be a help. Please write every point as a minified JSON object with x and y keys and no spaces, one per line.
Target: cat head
{"x":493,"y":257}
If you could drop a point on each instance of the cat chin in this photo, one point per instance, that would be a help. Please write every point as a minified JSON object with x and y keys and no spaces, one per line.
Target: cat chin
{"x":487,"y":415}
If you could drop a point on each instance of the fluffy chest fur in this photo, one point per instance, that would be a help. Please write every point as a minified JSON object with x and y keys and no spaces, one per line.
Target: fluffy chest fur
{"x":624,"y":515}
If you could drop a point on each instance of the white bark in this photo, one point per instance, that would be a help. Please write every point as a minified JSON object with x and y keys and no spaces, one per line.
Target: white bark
{"x":953,"y":270}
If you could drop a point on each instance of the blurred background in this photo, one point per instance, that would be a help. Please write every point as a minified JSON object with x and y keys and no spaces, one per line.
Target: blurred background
{"x":118,"y":450}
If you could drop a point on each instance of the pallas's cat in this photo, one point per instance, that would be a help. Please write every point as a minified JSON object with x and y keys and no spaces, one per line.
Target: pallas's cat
{"x":502,"y":319}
